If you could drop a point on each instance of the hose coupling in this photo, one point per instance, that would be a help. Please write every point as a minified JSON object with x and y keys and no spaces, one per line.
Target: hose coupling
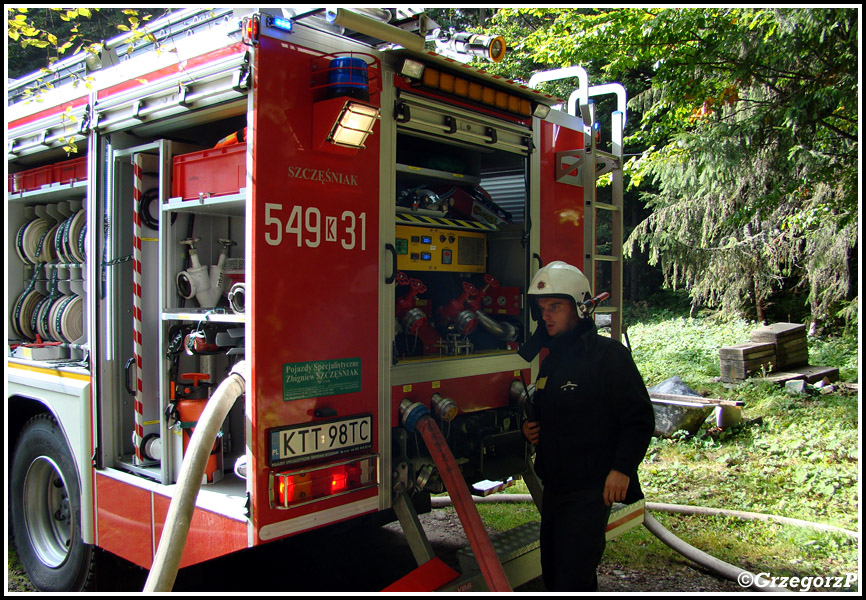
{"x":411,"y":413}
{"x":444,"y":409}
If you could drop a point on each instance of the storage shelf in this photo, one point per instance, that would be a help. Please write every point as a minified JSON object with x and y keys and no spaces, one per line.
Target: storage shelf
{"x":441,"y":175}
{"x":201,"y":314}
{"x":232,"y":205}
{"x":410,"y":218}
{"x":55,"y":192}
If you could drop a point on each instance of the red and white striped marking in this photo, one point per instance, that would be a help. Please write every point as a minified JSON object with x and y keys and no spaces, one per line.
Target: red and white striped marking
{"x":625,"y":518}
{"x":136,"y":305}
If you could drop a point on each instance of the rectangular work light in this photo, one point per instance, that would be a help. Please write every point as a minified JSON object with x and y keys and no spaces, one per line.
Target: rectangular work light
{"x":354,"y":123}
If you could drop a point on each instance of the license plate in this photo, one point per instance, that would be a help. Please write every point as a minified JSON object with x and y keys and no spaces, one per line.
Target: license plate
{"x":320,"y":439}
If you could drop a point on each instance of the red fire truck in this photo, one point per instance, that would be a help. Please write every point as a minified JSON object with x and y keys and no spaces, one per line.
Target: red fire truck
{"x":320,"y":201}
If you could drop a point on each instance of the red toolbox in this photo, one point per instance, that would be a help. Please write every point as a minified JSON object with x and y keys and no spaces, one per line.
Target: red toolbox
{"x":211,"y":172}
{"x":71,"y":171}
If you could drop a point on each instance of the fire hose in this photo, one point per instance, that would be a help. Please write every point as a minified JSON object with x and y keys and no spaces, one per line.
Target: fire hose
{"x":166,"y":562}
{"x":417,"y":417}
{"x":711,"y":563}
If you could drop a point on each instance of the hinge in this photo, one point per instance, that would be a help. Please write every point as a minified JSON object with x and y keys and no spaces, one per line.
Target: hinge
{"x":86,"y":116}
{"x":241,"y":77}
{"x":136,"y":110}
{"x":182,"y":91}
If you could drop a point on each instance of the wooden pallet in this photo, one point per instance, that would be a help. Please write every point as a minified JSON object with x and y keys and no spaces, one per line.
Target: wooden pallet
{"x":806,"y":372}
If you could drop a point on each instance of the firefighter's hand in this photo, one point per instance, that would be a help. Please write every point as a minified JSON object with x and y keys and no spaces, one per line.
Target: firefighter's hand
{"x":531,"y":431}
{"x":615,"y":487}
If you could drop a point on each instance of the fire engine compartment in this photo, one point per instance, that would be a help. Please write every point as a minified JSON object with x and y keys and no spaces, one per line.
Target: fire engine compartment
{"x":462,"y":258}
{"x":466,"y":263}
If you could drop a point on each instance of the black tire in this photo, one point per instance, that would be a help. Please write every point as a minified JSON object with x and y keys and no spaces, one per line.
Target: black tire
{"x":45,"y":509}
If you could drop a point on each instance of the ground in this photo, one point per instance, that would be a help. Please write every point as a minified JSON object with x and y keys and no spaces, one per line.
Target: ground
{"x":369,"y":560}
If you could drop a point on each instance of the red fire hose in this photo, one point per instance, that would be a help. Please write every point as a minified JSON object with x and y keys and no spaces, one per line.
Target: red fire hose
{"x":480,"y":542}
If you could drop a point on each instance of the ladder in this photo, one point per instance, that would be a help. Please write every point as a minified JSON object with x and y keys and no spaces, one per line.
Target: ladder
{"x":605,"y":267}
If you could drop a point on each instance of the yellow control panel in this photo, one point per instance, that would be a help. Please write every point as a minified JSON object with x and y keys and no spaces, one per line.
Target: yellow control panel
{"x":432,"y":249}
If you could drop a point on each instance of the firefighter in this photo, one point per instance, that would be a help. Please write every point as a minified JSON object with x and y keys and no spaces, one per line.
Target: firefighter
{"x":592,"y":424}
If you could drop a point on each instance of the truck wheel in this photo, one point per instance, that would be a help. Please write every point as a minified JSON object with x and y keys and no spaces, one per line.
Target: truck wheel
{"x":45,"y":509}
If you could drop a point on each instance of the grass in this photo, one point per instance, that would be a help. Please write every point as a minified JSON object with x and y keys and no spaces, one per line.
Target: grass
{"x":16,"y":578}
{"x":793,"y":455}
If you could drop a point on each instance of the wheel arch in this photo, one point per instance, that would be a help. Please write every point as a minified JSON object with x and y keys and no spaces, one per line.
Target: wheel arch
{"x":20,"y":410}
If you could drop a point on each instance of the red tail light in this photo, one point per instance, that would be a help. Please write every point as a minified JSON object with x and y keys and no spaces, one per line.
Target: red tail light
{"x":250,"y":27}
{"x":338,"y":481}
{"x":298,"y":487}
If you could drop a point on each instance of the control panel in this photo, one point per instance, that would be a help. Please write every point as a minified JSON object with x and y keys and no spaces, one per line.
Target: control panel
{"x":433,"y":249}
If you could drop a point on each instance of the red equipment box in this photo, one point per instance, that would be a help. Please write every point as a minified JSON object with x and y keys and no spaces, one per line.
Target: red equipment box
{"x":475,"y":203}
{"x":211,"y":172}
{"x":32,"y":179}
{"x":71,"y":171}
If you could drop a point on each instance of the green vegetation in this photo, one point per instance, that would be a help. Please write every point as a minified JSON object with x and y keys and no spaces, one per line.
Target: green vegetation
{"x":794,"y":456}
{"x":741,"y":138}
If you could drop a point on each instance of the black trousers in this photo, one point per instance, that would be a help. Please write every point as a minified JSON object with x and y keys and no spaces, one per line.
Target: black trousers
{"x":573,"y":528}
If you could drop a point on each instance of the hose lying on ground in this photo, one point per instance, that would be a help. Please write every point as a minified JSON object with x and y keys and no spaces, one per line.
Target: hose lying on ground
{"x":720,"y":567}
{"x":704,"y":510}
{"x":179,"y":518}
{"x":439,"y":501}
{"x":715,"y":565}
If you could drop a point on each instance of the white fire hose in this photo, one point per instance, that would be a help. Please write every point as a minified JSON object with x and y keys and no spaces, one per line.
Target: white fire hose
{"x":177,"y":522}
{"x":711,"y":563}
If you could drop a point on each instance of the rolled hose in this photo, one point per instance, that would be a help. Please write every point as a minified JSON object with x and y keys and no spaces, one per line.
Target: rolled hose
{"x":177,"y":522}
{"x":715,"y":565}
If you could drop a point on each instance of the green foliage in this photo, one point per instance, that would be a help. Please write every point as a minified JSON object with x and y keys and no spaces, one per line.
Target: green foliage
{"x":792,"y":456}
{"x":671,"y":345}
{"x":38,"y":37}
{"x":743,"y":123}
{"x":837,"y":350}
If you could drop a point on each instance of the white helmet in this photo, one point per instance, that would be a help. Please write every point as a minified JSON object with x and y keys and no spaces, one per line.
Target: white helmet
{"x":558,"y":280}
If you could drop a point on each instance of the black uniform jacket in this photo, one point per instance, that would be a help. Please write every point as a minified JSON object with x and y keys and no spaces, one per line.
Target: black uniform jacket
{"x":594,"y":410}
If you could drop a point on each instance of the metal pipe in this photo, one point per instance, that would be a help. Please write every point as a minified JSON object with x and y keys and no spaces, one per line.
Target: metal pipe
{"x":582,"y":83}
{"x":504,"y":331}
{"x":380,"y":14}
{"x":373,"y":28}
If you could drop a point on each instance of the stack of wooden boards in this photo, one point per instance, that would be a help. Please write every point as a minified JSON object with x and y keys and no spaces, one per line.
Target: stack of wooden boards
{"x":778,"y":352}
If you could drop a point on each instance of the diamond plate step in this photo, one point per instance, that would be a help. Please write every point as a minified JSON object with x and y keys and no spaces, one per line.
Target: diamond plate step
{"x":508,"y":545}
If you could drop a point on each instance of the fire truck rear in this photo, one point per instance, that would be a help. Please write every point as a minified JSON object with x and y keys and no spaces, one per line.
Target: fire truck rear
{"x":314,"y":200}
